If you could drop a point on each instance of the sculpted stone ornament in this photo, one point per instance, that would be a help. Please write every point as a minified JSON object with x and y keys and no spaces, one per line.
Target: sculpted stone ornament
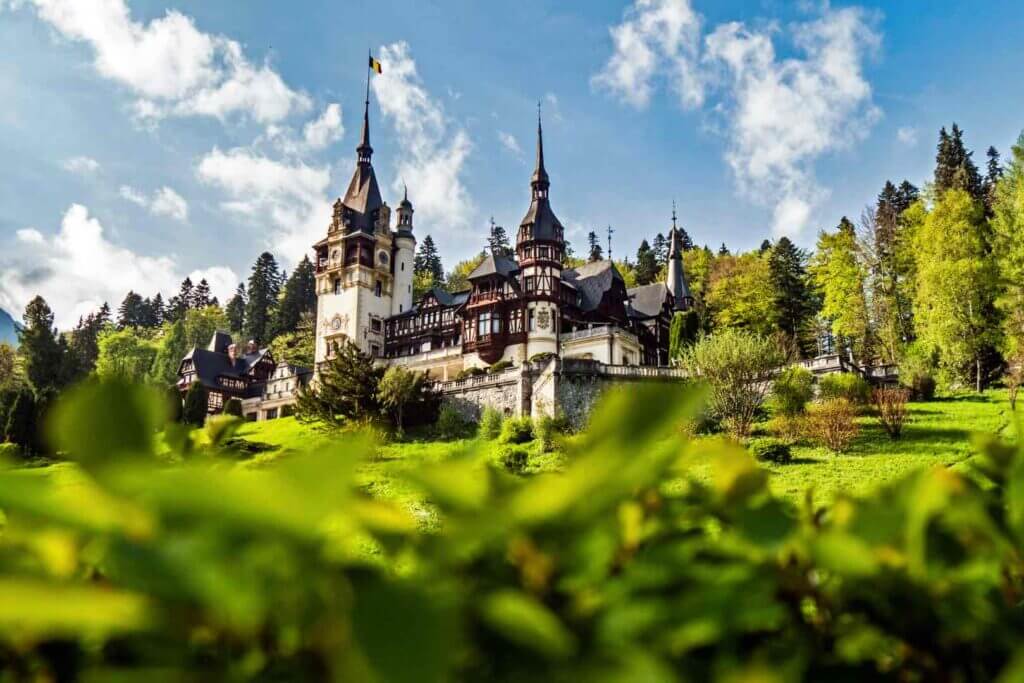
{"x":543,"y":319}
{"x":334,"y":324}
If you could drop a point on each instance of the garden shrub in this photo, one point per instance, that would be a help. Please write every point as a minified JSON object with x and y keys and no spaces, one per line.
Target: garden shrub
{"x":832,"y":424}
{"x":517,"y":430}
{"x":451,"y":424}
{"x":233,"y":407}
{"x":548,"y":428}
{"x":514,"y":458}
{"x":736,"y":365}
{"x":845,"y":385}
{"x":470,"y":372}
{"x":792,"y":390}
{"x":500,"y":366}
{"x":9,"y":452}
{"x":790,"y":428}
{"x":767,"y":449}
{"x":917,"y":371}
{"x":891,"y":409}
{"x":142,"y":569}
{"x":541,"y":357}
{"x":490,"y":423}
{"x":193,"y":411}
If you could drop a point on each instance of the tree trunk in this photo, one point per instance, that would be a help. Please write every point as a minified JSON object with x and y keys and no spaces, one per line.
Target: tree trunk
{"x":977,"y":374}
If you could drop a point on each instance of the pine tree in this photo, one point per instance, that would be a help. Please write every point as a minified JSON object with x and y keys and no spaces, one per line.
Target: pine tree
{"x":954,"y":168}
{"x":346,"y":389}
{"x":684,"y":239}
{"x":427,"y":261}
{"x":193,"y":411}
{"x":131,"y":312}
{"x":156,"y":310}
{"x":299,"y":297}
{"x":891,"y":268}
{"x":39,"y":346}
{"x":660,"y":247}
{"x":21,"y":425}
{"x":235,"y":310}
{"x":201,"y":295}
{"x":594,"y":252}
{"x":84,"y":347}
{"x":794,"y":301}
{"x":264,"y":290}
{"x":994,"y":173}
{"x":179,"y":303}
{"x":646,"y":264}
{"x":766,"y":246}
{"x":498,"y":241}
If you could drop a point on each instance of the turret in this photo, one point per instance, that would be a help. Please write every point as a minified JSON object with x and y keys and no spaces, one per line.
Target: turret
{"x":540,"y":247}
{"x":402,"y":260}
{"x":675,"y":279}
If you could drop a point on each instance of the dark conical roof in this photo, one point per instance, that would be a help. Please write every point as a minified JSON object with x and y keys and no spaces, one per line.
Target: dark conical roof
{"x":363,"y":194}
{"x":675,"y":279}
{"x":546,"y":225}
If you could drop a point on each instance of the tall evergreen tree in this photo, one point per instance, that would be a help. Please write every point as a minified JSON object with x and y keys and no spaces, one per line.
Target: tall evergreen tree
{"x":954,"y":168}
{"x":132,"y":312}
{"x":346,"y":389}
{"x":84,"y":347}
{"x":993,"y":174}
{"x":179,"y":303}
{"x":766,"y":246}
{"x":594,"y":250}
{"x":264,"y":290}
{"x":21,"y":426}
{"x":498,"y":241}
{"x":794,"y":299}
{"x":646,"y":270}
{"x":891,"y":266}
{"x":684,"y":239}
{"x":428,"y":261}
{"x":201,"y":295}
{"x":235,"y":310}
{"x":299,"y":297}
{"x":660,"y":247}
{"x":39,"y":346}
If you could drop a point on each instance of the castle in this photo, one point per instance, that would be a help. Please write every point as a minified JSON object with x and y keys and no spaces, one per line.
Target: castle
{"x":520,"y":306}
{"x":545,"y":333}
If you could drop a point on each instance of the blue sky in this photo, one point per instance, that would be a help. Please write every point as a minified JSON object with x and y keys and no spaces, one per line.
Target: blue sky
{"x":145,"y":141}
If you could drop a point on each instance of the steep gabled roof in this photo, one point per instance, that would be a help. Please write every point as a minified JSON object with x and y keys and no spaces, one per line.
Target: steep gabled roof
{"x":495,"y":265}
{"x":647,"y":301}
{"x":592,"y":280}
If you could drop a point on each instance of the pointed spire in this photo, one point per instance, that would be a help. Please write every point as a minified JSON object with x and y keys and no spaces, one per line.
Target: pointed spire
{"x":540,"y":182}
{"x":364,"y":150}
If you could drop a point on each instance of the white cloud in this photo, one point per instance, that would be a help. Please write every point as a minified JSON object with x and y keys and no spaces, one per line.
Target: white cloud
{"x":907,"y":135}
{"x":164,"y":202}
{"x":509,"y":142}
{"x":432,"y":150}
{"x":78,"y":269}
{"x":779,"y":115}
{"x":325,"y":130}
{"x":80,"y":165}
{"x":290,"y":196}
{"x":170,"y":65}
{"x":655,"y":37}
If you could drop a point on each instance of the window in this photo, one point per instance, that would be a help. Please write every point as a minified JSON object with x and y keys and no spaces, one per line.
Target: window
{"x":495,"y":324}
{"x":529,"y":283}
{"x":543,"y":252}
{"x":403,"y":266}
{"x":272,"y":414}
{"x":378,"y":288}
{"x":409,"y":289}
{"x":483,"y":324}
{"x":399,"y":308}
{"x":530,"y":325}
{"x":337,"y":285}
{"x":375,"y":324}
{"x":374,"y":350}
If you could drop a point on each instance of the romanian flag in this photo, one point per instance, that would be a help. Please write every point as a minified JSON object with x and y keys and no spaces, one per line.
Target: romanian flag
{"x":375,"y":65}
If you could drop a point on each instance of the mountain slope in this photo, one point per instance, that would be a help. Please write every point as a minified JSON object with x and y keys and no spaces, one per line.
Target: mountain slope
{"x":8,"y":328}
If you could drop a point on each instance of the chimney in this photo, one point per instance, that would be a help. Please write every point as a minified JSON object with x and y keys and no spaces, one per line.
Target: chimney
{"x":232,"y":353}
{"x":251,"y":347}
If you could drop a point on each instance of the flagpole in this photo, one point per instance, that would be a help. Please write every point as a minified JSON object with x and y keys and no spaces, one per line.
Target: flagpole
{"x":369,"y":56}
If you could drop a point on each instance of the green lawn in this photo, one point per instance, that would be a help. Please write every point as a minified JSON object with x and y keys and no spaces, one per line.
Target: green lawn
{"x":938,"y":433}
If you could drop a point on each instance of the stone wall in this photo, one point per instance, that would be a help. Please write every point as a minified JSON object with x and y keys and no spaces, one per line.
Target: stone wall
{"x":502,"y":391}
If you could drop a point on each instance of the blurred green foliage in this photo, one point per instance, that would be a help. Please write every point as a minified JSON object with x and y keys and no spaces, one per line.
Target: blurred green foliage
{"x":191,"y":566}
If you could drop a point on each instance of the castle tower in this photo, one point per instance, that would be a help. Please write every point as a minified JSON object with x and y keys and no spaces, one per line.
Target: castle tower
{"x":354,"y":264}
{"x":675,"y":279}
{"x":404,"y":251}
{"x":540,"y":246}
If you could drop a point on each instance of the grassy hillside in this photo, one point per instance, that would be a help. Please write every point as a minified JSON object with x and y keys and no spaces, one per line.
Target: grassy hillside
{"x":938,"y":433}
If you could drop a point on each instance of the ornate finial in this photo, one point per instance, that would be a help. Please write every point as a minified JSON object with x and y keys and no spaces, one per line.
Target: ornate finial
{"x":405,"y":191}
{"x":673,"y":214}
